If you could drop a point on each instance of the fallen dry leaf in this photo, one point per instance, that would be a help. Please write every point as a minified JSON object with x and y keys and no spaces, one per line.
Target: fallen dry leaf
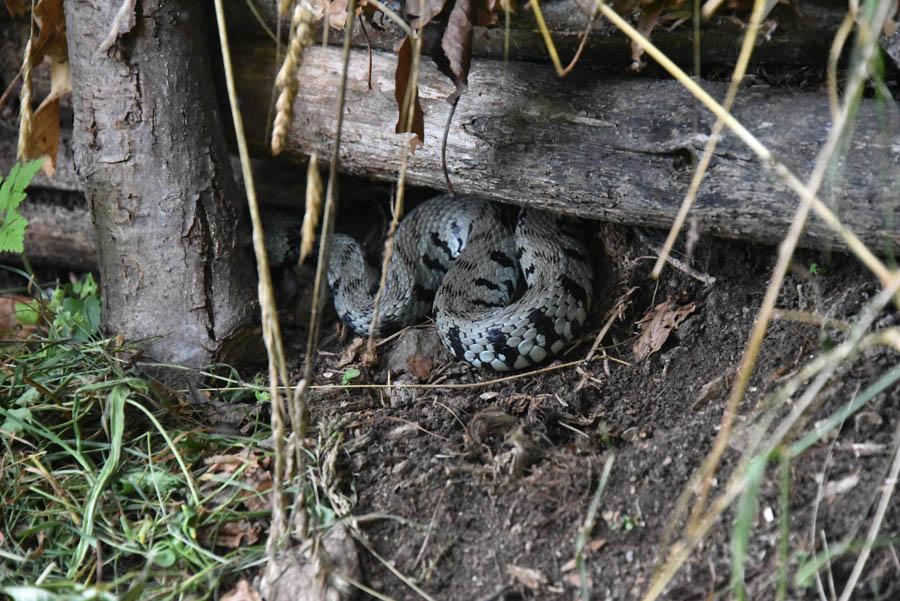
{"x":533,"y":579}
{"x":43,"y":138}
{"x":233,"y":535}
{"x":656,"y":326}
{"x":348,"y":355}
{"x":12,"y":309}
{"x":256,"y":479}
{"x":419,"y":366}
{"x":230,"y":463}
{"x":242,"y":592}
{"x":574,"y":579}
{"x":401,"y":83}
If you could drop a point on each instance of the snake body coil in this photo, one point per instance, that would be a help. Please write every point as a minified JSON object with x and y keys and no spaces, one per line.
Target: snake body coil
{"x":463,"y":258}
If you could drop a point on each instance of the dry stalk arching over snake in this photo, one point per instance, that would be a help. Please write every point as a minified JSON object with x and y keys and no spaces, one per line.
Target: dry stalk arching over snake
{"x":465,"y":257}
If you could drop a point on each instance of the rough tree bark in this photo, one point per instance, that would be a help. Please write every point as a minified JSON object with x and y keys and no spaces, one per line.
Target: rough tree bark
{"x":150,"y":152}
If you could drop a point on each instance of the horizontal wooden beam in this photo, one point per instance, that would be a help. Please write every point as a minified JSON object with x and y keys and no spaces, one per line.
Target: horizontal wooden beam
{"x":615,"y":149}
{"x":791,"y":38}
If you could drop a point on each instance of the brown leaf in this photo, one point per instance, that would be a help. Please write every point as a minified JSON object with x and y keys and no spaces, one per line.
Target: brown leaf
{"x":233,"y":535}
{"x":646,"y":22}
{"x":447,"y":27}
{"x":401,"y":83}
{"x":242,"y":592}
{"x":337,"y":14}
{"x":336,"y":10}
{"x":530,"y":577}
{"x":11,"y":327}
{"x":17,"y":8}
{"x":230,"y":463}
{"x":419,"y":366}
{"x":656,"y":326}
{"x":574,"y":579}
{"x":43,"y":138}
{"x":255,"y":479}
{"x":348,"y":355}
{"x":49,"y":16}
{"x":456,"y":44}
{"x":432,"y":9}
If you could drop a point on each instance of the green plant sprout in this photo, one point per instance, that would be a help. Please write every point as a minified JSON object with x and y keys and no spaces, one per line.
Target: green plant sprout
{"x":12,"y":193}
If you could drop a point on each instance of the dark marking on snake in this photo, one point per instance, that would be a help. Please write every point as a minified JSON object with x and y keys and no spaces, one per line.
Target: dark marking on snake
{"x":575,"y":289}
{"x":456,"y":346}
{"x":439,"y":243}
{"x":426,"y":294}
{"x":487,"y":284}
{"x":574,"y":253}
{"x":477,"y":302}
{"x":433,"y":264}
{"x":501,"y":258}
{"x":544,"y":325}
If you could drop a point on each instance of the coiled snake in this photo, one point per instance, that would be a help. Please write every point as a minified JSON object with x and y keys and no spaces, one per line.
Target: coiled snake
{"x":464,"y":258}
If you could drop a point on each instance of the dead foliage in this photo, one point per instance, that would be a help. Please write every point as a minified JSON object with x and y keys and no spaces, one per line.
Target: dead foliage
{"x":657,"y":324}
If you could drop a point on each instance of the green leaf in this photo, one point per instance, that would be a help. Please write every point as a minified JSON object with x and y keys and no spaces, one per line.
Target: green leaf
{"x":12,"y":193}
{"x":91,"y":311}
{"x":13,"y":424}
{"x":12,"y":232}
{"x":27,"y":313}
{"x":88,"y":287}
{"x":349,"y":375}
{"x":153,"y":481}
{"x":163,"y":555}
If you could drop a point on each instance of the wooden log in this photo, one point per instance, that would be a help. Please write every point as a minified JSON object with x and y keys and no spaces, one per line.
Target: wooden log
{"x":619,"y":150}
{"x":793,"y":37}
{"x":60,"y":235}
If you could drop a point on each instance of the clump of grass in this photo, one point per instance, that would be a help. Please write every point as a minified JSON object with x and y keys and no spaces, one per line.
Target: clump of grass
{"x":108,"y":488}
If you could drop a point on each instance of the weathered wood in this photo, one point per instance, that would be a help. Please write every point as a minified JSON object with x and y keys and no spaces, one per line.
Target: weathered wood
{"x":798,"y":38}
{"x":60,"y":235}
{"x":618,"y":150}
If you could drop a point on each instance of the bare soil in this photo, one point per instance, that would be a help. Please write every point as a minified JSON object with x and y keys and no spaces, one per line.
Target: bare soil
{"x":492,"y":483}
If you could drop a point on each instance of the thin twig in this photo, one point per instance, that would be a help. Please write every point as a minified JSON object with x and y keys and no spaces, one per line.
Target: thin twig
{"x":409,"y":100}
{"x":270,"y":327}
{"x":453,"y":104}
{"x":887,"y":491}
{"x":754,"y":446}
{"x":739,"y":70}
{"x":786,"y":251}
{"x":792,"y":181}
{"x":318,"y":301}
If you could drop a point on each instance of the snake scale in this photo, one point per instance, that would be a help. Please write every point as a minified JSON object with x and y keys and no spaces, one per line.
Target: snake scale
{"x":463,"y":257}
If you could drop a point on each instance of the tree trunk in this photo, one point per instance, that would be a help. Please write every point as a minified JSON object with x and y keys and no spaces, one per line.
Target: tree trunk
{"x":149,"y":150}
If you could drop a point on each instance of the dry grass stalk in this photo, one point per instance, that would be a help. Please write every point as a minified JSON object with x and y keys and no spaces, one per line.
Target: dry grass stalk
{"x":313,"y":208}
{"x":26,"y":114}
{"x":270,"y":327}
{"x":397,"y":209}
{"x":286,"y":81}
{"x":739,"y":70}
